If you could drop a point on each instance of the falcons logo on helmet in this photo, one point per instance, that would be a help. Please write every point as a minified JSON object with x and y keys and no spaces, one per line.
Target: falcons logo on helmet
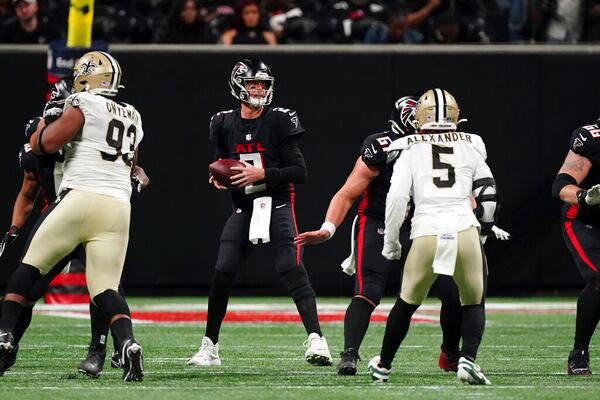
{"x":239,"y":69}
{"x":406,"y":106}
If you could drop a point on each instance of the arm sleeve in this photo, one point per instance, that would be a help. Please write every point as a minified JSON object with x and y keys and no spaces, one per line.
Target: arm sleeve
{"x":397,"y":198}
{"x":293,"y":168}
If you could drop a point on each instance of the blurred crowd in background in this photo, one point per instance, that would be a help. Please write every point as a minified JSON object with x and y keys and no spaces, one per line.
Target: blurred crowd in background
{"x":310,"y":21}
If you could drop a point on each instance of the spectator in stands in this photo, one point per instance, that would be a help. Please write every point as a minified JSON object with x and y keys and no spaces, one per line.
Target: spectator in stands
{"x":248,"y":27}
{"x":27,"y":27}
{"x":457,"y":21}
{"x":293,"y":21}
{"x":592,"y":32}
{"x":183,"y":24}
{"x":407,"y":19}
{"x":361,"y":21}
{"x":5,"y":11}
{"x":558,"y":21}
{"x":118,"y":21}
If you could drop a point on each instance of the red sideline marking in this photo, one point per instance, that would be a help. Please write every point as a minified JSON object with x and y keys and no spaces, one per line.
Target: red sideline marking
{"x":249,"y":316}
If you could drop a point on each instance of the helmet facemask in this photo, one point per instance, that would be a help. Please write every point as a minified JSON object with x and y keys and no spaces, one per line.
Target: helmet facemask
{"x":244,"y":74}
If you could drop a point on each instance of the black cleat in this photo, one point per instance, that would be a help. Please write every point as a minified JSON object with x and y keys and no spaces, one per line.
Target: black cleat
{"x":132,"y":361}
{"x":94,"y":362}
{"x":8,"y":350}
{"x":579,"y":363}
{"x":348,"y":363}
{"x":115,"y":359}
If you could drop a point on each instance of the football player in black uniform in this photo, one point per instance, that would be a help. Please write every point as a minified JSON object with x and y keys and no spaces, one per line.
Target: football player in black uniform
{"x":39,"y":177}
{"x":371,"y":178}
{"x":581,"y":232}
{"x":265,"y":140}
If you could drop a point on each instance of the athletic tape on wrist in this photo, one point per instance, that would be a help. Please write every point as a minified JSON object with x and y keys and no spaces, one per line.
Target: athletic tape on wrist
{"x":329,"y":227}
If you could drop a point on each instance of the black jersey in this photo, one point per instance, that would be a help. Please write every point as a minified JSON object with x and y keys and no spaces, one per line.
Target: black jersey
{"x":259,"y":142}
{"x":373,"y":153}
{"x":585,"y":141}
{"x":47,"y":169}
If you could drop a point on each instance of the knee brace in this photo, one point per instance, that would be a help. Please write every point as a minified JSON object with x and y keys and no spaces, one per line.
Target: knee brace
{"x":297,"y":283}
{"x":371,"y":293}
{"x":23,"y":280}
{"x":111,"y":303}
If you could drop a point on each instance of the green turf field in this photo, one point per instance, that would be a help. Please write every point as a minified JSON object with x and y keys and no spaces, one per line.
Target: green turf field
{"x":523,"y":355}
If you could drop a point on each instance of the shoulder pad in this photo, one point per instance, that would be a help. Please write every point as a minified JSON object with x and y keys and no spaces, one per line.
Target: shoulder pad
{"x":374,"y":147}
{"x":288,"y":121}
{"x":583,"y":140}
{"x":478,"y":144}
{"x":402,"y":143}
{"x":216,"y":121}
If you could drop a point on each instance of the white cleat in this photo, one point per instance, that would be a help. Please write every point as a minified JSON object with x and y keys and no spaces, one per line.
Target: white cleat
{"x":469,"y":372}
{"x":378,"y":373}
{"x":317,"y":352}
{"x":207,"y":355}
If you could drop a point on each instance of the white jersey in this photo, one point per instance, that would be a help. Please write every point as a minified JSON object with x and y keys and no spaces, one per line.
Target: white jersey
{"x":99,"y":158}
{"x":438,"y":171}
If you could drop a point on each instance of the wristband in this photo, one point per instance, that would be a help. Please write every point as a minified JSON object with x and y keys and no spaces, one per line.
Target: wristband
{"x":581,"y":197}
{"x":329,"y":227}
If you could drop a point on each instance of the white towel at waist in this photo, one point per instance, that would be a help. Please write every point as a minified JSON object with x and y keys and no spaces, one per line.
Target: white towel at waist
{"x":261,"y":220}
{"x":349,"y":264}
{"x":446,"y":251}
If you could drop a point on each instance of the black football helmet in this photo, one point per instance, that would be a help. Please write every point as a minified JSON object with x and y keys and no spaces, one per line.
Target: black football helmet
{"x":58,"y":95}
{"x":251,"y":69}
{"x":403,"y":115}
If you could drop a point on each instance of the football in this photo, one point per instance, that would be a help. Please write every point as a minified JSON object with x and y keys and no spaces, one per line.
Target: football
{"x":221,"y":170}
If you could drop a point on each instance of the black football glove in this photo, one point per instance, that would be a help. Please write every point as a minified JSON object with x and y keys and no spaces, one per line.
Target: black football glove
{"x":8,"y":238}
{"x":54,"y":107}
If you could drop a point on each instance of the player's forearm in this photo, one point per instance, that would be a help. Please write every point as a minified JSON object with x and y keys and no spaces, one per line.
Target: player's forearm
{"x":294,"y":167}
{"x":21,"y":210}
{"x":568,"y":194}
{"x":395,"y":211}
{"x":338,"y":208}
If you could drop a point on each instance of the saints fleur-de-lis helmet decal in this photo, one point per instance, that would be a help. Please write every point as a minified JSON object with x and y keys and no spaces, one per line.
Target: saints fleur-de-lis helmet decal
{"x":97,"y":72}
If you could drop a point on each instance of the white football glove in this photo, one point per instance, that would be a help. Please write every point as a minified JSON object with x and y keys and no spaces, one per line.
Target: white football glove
{"x":392,"y":250}
{"x":593,"y":195}
{"x":501,"y":234}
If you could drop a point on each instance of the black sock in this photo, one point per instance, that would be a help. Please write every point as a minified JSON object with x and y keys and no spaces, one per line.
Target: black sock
{"x":356,"y":322}
{"x":23,"y":323}
{"x":450,"y":321}
{"x":472,"y":327}
{"x":588,"y":314}
{"x":395,"y":330}
{"x":11,"y":311}
{"x":217,"y":304}
{"x":307,"y":308}
{"x":123,"y":330}
{"x":99,"y":326}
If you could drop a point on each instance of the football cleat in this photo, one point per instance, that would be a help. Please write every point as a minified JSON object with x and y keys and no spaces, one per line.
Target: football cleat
{"x":378,"y":373}
{"x":132,"y":361}
{"x":115,"y":359}
{"x":579,"y":363}
{"x":471,"y":373}
{"x":207,"y":355}
{"x":349,"y":361}
{"x":448,"y":361}
{"x":317,"y":352}
{"x":8,"y":350}
{"x":94,"y":362}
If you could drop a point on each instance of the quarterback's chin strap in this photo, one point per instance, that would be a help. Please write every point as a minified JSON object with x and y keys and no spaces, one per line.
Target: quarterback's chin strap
{"x":484,"y":191}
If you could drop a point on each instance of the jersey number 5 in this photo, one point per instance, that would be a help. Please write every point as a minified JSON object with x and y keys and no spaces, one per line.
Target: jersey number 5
{"x":116,"y":126}
{"x":438,"y":164}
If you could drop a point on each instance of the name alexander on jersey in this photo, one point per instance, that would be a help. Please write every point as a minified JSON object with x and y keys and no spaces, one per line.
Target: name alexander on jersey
{"x":447,"y":137}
